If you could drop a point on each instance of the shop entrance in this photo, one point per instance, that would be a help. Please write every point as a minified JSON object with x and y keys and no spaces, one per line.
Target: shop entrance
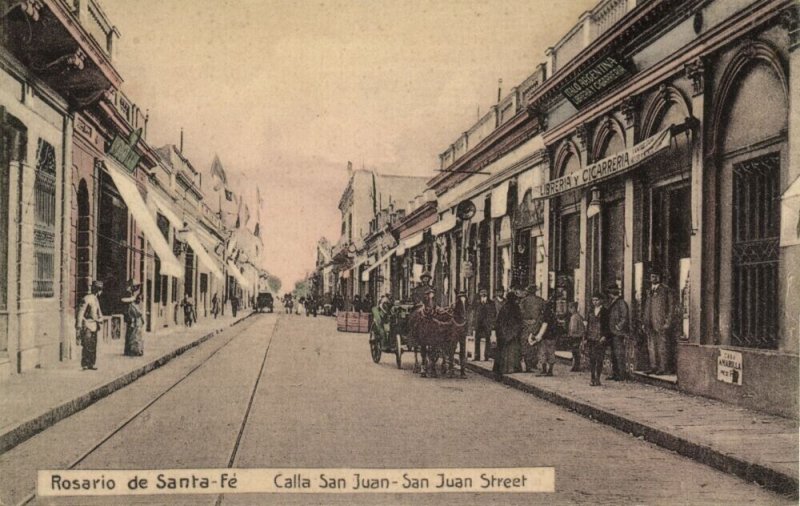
{"x":671,"y":231}
{"x":112,"y":246}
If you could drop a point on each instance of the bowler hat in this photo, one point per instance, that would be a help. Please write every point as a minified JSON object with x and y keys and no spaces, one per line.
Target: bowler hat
{"x":425,"y":274}
{"x":483,"y":292}
{"x":531,"y":288}
{"x":613,"y":289}
{"x":97,"y":285}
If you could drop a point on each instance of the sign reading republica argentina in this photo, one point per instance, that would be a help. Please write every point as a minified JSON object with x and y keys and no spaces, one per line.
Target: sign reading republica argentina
{"x":122,"y":150}
{"x":729,"y":367}
{"x":607,"y":167}
{"x":608,"y":71}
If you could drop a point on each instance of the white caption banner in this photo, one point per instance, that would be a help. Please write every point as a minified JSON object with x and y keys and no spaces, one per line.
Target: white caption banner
{"x":315,"y":481}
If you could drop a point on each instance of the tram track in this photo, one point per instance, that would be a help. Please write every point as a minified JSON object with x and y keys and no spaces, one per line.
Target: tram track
{"x":120,"y":427}
{"x":235,"y":451}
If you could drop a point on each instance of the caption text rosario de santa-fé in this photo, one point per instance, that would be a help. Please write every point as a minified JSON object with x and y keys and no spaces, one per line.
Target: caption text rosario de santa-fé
{"x":231,"y":481}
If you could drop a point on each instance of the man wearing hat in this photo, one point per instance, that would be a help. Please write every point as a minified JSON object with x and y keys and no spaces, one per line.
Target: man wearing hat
{"x":533,"y":309}
{"x":484,"y":316}
{"x":618,"y":324}
{"x":659,"y":307}
{"x":88,"y":321}
{"x":423,"y":293}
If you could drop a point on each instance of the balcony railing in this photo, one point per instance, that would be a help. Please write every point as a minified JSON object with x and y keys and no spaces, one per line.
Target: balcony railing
{"x":591,"y":25}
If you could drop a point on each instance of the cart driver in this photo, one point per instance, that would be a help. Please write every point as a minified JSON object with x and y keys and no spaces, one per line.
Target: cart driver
{"x":424,"y":294}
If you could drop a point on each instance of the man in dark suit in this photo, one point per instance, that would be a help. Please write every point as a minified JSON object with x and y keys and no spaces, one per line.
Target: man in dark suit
{"x":484,"y":316}
{"x":659,"y":310}
{"x":618,"y":321}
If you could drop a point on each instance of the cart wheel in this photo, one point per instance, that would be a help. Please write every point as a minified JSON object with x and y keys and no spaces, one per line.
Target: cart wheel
{"x":399,"y":351}
{"x":375,"y":347}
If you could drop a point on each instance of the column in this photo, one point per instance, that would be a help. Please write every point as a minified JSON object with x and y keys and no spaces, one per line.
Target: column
{"x":695,"y":71}
{"x":67,"y":334}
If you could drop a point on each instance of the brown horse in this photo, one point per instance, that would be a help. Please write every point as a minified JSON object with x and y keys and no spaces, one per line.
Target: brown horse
{"x":436,"y":332}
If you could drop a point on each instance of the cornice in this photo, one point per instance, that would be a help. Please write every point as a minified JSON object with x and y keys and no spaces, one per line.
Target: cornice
{"x":504,"y":139}
{"x":734,"y":27}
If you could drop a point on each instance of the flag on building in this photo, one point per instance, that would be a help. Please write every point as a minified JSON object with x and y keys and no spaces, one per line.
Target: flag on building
{"x":218,"y":175}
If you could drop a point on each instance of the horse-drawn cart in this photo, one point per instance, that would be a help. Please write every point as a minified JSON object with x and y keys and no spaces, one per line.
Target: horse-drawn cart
{"x":388,"y":332}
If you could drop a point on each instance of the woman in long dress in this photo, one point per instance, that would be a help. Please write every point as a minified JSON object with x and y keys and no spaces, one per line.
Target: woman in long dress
{"x":508,"y":329}
{"x":134,"y":342}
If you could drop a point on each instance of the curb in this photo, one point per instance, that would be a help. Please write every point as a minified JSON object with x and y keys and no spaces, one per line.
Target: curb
{"x":30,"y":428}
{"x":768,"y":478}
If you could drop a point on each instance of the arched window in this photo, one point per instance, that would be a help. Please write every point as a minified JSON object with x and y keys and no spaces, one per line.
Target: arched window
{"x":749,"y":179}
{"x":44,"y":227}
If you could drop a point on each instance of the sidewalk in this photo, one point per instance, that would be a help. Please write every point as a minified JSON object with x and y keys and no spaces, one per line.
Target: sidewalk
{"x":33,"y":401}
{"x":754,"y":446}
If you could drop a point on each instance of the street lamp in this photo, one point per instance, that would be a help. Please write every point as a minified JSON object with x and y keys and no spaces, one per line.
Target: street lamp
{"x":594,"y":204}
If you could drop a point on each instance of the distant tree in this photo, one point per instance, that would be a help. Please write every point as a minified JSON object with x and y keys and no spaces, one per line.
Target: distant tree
{"x":274,"y":284}
{"x":301,"y":289}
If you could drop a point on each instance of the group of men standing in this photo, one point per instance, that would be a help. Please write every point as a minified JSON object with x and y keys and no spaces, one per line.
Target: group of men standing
{"x":538,"y":332}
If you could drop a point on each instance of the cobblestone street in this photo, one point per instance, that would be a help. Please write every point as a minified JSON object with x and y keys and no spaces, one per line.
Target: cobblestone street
{"x":322,"y":402}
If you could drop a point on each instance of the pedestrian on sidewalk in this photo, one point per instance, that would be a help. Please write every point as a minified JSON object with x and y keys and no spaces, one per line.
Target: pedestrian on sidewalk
{"x":618,"y":326}
{"x":546,"y":337}
{"x":509,"y":330}
{"x":484,"y":318}
{"x":88,"y":323}
{"x":215,"y":306}
{"x":188,"y":309}
{"x":659,"y":308}
{"x":134,"y":343}
{"x":576,"y":332}
{"x":499,"y":298}
{"x":234,"y":305}
{"x":532,"y":307}
{"x":596,"y":337}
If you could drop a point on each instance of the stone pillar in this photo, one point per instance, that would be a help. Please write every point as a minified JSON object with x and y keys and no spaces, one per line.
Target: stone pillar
{"x":695,"y":72}
{"x":67,"y":276}
{"x":790,"y":337}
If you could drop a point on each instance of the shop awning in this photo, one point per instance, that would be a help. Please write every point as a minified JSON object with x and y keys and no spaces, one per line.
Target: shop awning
{"x":233,"y":269}
{"x":203,"y":256}
{"x":170,"y":265}
{"x":412,"y":241}
{"x":381,"y":260}
{"x":500,"y":200}
{"x":610,"y":166}
{"x":445,"y":224}
{"x":197,"y":246}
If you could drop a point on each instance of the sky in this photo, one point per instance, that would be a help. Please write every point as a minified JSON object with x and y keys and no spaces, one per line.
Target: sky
{"x":287,"y":92}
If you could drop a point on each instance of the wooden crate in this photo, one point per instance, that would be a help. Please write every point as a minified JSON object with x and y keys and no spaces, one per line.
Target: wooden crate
{"x":351,"y":321}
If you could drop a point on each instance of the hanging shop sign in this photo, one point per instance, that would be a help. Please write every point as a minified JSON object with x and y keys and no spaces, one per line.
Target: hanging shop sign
{"x":729,"y":367}
{"x":596,"y":79}
{"x":607,"y":167}
{"x":122,"y":150}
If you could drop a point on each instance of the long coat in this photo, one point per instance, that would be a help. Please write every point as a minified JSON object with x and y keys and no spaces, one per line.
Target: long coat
{"x":509,"y":329}
{"x":618,"y":317}
{"x":484,"y":316}
{"x":659,"y":309}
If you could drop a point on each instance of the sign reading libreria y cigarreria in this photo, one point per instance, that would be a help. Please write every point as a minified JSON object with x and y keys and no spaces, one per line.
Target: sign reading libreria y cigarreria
{"x":594,"y":80}
{"x":607,"y":167}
